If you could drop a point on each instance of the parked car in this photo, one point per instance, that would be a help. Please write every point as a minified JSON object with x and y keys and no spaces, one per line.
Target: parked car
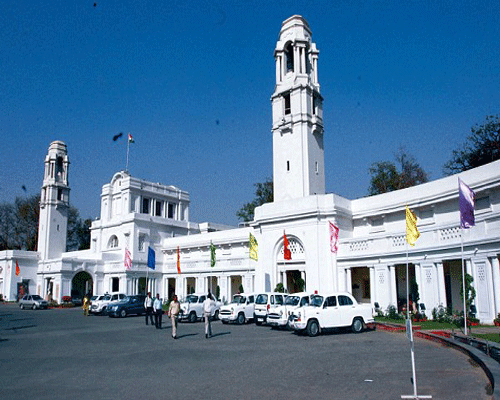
{"x":281,"y":315}
{"x":101,"y":303}
{"x":32,"y":301}
{"x":265,"y":303}
{"x":241,"y":309}
{"x":130,"y":305}
{"x":332,"y":310}
{"x":192,"y":308}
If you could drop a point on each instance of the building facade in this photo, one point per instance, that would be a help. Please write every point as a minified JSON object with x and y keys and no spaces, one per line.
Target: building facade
{"x":372,"y":256}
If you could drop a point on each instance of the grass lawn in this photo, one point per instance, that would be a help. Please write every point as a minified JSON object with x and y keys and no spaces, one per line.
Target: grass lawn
{"x":426,"y":325}
{"x":492,"y":337}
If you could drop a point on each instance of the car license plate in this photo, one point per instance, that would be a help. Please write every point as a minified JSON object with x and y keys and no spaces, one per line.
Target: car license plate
{"x":260,"y":319}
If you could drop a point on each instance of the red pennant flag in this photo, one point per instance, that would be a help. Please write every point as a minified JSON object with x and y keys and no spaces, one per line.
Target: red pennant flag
{"x":287,"y":254}
{"x":178,"y":260}
{"x":18,"y":271}
{"x":334,"y":237}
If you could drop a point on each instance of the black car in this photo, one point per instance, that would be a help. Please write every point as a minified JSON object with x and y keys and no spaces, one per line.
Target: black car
{"x":130,"y":305}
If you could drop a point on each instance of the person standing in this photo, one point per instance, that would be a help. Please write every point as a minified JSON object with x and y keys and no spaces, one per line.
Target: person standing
{"x":208,"y":308}
{"x":158,"y":308}
{"x":173,"y":311}
{"x":86,"y":305}
{"x":148,"y":305}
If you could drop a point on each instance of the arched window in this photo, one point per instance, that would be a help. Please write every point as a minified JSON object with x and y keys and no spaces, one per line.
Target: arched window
{"x":113,"y":242}
{"x":289,"y":57}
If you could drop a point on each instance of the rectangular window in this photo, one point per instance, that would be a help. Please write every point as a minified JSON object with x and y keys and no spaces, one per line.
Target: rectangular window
{"x":288,"y":108}
{"x":288,"y":165}
{"x":315,"y":105}
{"x":171,"y":210}
{"x":142,"y":241}
{"x":59,"y":194}
{"x":145,"y":206}
{"x":158,"y":208}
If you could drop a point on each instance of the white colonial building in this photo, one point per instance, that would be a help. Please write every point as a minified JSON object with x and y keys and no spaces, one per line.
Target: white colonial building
{"x":372,"y":251}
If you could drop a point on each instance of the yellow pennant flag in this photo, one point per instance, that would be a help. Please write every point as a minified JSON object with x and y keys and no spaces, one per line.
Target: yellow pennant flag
{"x":254,"y":248}
{"x":412,"y":233}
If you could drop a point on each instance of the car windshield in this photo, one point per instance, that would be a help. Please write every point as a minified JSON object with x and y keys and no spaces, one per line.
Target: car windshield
{"x":238,"y":299}
{"x":94,"y":297}
{"x":316,"y":301}
{"x":106,"y":298}
{"x":191,"y":299}
{"x":36,"y":297}
{"x":261,"y":299}
{"x":292,"y":300}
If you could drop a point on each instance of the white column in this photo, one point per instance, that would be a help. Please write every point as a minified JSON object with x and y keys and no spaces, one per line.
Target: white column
{"x":348,"y":280}
{"x":278,"y":68}
{"x":373,"y":290}
{"x":495,"y":267}
{"x":441,"y":284}
{"x":296,"y":59}
{"x":393,"y":286}
{"x":418,"y":279}
{"x":303,"y":60}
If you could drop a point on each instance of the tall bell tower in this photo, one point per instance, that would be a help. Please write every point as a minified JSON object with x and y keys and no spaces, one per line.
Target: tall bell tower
{"x":298,"y":151}
{"x":54,"y":203}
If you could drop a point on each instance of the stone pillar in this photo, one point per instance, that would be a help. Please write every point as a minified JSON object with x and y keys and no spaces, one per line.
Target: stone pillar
{"x":495,"y":267}
{"x":348,"y":280}
{"x":373,"y":290}
{"x":341,"y":279}
{"x":393,"y":286}
{"x":441,"y":285}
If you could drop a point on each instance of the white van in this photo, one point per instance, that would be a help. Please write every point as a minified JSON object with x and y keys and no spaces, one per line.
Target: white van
{"x":265,"y":303}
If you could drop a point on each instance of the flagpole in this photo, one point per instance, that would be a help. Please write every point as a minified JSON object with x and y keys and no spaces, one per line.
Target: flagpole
{"x":128,"y":147}
{"x":463,"y":280}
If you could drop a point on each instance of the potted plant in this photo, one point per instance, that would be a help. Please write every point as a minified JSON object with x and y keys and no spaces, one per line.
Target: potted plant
{"x":496,"y":321}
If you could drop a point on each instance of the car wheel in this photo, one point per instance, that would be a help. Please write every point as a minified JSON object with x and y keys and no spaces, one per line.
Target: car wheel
{"x":216,"y":315}
{"x":224,"y":322}
{"x":192,"y":317}
{"x":357,"y":325}
{"x":34,"y":307}
{"x":257,"y":322}
{"x":103,"y":311}
{"x":312,"y":328}
{"x":241,"y":319}
{"x":123,"y":313}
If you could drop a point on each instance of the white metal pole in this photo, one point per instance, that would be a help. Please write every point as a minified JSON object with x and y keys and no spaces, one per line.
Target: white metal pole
{"x":463,"y":281}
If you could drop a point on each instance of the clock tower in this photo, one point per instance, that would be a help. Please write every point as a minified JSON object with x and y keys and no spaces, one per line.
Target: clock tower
{"x":298,"y":151}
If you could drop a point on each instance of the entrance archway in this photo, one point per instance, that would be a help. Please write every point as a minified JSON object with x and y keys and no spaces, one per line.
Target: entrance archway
{"x":81,"y":284}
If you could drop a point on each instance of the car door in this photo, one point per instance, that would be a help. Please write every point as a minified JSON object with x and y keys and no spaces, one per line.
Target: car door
{"x":250,"y":306}
{"x":331,"y":313}
{"x":347,"y":310}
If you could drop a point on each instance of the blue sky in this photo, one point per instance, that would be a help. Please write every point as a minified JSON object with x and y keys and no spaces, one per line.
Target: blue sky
{"x":192,"y":80}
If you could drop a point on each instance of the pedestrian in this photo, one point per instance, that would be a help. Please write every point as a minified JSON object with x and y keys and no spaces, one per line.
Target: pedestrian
{"x":86,"y":305}
{"x":158,"y":309}
{"x":208,"y":308}
{"x":148,"y":305}
{"x":173,"y":312}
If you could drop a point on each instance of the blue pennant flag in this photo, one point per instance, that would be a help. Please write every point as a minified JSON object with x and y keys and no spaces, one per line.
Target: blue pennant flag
{"x":151,"y":258}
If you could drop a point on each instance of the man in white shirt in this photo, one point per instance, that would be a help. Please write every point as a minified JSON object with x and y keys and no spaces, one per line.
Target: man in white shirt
{"x":158,"y":309}
{"x":148,"y":305}
{"x":208,"y":307}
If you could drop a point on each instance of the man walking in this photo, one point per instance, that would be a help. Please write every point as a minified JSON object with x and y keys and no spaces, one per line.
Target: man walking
{"x":148,"y":305}
{"x":158,"y":308}
{"x":173,"y":311}
{"x":208,"y":307}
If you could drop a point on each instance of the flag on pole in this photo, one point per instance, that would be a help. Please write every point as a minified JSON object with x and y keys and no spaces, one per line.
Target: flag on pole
{"x":178,"y":260}
{"x":254,"y":248}
{"x":287,"y":254}
{"x":151,"y":258}
{"x":412,"y":233}
{"x":128,"y":260}
{"x":18,"y":270}
{"x":466,"y":200}
{"x":130,"y":138}
{"x":334,"y":237}
{"x":212,"y":255}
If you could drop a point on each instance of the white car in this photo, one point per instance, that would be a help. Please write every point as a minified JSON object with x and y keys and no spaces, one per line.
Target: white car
{"x":100,"y":304}
{"x":332,"y":310}
{"x":281,"y":315}
{"x":266,"y":303}
{"x":240,"y":309}
{"x":192,"y":308}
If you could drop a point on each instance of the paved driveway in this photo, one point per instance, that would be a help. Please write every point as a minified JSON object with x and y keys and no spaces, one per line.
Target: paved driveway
{"x":60,"y":354}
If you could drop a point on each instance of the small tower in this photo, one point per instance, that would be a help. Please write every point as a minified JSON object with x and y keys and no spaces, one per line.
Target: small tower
{"x":298,"y":152}
{"x":54,"y":203}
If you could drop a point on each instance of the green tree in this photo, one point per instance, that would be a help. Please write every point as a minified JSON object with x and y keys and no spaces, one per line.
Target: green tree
{"x":470,"y":292}
{"x":385,"y":176}
{"x":481,"y":147}
{"x":263,"y":194}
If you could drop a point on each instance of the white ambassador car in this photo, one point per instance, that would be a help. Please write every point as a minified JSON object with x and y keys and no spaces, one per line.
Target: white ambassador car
{"x":280,"y":316}
{"x":240,"y":310}
{"x":192,"y":308}
{"x":332,"y":310}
